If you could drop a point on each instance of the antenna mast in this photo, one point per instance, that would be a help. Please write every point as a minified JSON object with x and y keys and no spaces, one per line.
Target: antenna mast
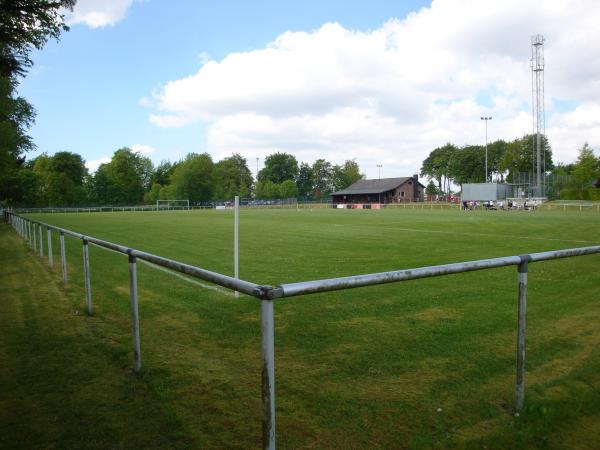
{"x":538,"y":110}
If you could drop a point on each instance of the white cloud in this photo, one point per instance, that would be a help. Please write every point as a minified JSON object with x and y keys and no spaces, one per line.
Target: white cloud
{"x":143,"y":149}
{"x":390,"y":95}
{"x":95,"y":163}
{"x":98,"y":13}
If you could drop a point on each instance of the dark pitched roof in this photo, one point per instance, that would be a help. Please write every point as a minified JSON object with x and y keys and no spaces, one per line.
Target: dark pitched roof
{"x":373,"y":186}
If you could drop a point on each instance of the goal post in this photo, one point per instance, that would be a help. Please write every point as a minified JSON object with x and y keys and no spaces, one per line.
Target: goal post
{"x":172,"y":204}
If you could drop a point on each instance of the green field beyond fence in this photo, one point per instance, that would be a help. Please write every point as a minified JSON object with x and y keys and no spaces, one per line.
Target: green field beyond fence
{"x":422,"y":364}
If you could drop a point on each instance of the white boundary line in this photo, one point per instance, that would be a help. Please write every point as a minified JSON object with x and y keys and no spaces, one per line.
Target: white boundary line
{"x":178,"y":275}
{"x":455,"y":233}
{"x":531,"y":238}
{"x":189,"y":280}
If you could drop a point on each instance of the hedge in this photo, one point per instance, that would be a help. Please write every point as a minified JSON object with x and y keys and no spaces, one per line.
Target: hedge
{"x":580,"y":194}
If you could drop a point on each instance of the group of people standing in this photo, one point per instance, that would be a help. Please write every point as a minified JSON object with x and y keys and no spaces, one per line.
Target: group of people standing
{"x":469,"y":205}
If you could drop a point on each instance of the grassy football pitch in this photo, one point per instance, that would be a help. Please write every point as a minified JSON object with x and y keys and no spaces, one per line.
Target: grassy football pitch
{"x":421,"y":364}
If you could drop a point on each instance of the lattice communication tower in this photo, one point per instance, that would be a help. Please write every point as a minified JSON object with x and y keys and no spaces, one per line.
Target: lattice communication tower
{"x":538,"y":111}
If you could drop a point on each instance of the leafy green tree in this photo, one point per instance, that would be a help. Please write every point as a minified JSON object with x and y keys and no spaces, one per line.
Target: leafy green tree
{"x":153,"y":194}
{"x":267,"y":190}
{"x":193,"y":178}
{"x":438,"y":166}
{"x":124,"y":179}
{"x":431,"y":188}
{"x":305,"y":181}
{"x":232,"y":177}
{"x":468,"y":165}
{"x":288,"y":189}
{"x":496,"y":150}
{"x":345,"y":175}
{"x":519,"y":156}
{"x":586,"y":168}
{"x":162,"y":173}
{"x":16,"y":116}
{"x":278,"y":168}
{"x":167,"y":193}
{"x":28,"y":183}
{"x":24,"y":25}
{"x":66,"y":173}
{"x":322,"y":177}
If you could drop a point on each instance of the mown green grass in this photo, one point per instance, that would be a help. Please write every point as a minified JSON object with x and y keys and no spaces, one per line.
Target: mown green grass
{"x":421,"y":364}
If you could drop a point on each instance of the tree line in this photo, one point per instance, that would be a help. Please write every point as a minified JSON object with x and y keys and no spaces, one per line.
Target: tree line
{"x":24,"y":25}
{"x":506,"y":160}
{"x":130,"y":178}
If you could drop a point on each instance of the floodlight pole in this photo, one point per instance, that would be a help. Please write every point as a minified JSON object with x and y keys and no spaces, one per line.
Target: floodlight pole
{"x":486,"y":145}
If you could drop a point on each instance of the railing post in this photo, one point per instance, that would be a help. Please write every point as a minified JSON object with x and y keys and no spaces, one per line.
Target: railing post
{"x":41,"y":241}
{"x":86,"y":272}
{"x":135,"y":320}
{"x":34,"y":238}
{"x":63,"y":257}
{"x":236,"y":241}
{"x":268,"y":373}
{"x":521,"y":328}
{"x":50,"y":256}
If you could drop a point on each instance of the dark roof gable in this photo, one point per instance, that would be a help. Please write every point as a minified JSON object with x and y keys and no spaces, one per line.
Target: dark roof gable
{"x":374,"y":186}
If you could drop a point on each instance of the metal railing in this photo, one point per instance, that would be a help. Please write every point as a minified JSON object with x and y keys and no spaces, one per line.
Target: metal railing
{"x":28,"y":229}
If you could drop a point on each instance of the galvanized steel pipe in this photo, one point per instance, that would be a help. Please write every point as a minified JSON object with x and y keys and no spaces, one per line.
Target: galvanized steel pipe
{"x":63,"y":256}
{"x":135,"y":320}
{"x":521,"y":329}
{"x":86,"y":272}
{"x":41,"y":241}
{"x":50,"y":256}
{"x":267,"y":325}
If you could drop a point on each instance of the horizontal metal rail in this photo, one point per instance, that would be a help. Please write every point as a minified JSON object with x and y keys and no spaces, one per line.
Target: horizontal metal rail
{"x":331,"y":284}
{"x":336,"y":284}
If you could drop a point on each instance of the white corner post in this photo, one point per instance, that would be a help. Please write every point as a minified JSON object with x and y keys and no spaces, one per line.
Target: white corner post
{"x":236,"y":238}
{"x":521,"y":328}
{"x":50,"y":256}
{"x":267,"y":326}
{"x":135,"y":320}
{"x":86,"y":272}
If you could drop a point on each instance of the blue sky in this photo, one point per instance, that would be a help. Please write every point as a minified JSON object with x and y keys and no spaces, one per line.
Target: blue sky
{"x":168,"y":78}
